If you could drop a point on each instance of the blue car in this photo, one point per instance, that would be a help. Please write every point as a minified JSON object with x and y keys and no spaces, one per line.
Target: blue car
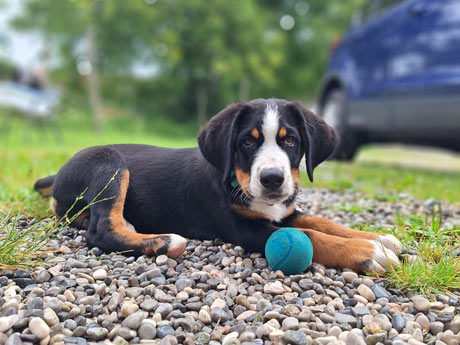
{"x":395,"y":76}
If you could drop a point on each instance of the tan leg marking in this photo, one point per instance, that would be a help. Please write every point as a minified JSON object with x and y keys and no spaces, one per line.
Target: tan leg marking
{"x":53,"y":205}
{"x":47,"y":191}
{"x":175,"y":243}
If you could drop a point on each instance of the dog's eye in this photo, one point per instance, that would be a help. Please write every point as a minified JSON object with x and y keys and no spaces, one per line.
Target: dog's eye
{"x":248,"y":142}
{"x":289,"y":141}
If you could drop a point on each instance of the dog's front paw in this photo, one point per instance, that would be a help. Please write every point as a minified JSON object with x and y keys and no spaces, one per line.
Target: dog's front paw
{"x":391,"y":242}
{"x":382,"y":258}
{"x":176,"y":245}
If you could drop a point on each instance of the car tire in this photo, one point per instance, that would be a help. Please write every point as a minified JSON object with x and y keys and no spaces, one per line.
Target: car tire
{"x":334,"y":112}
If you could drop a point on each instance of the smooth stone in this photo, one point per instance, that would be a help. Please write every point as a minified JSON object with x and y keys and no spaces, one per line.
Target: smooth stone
{"x":164,"y":330}
{"x":5,"y":323}
{"x":96,"y":333}
{"x":247,"y":336}
{"x":127,"y":333}
{"x":436,"y":327}
{"x":454,"y":325}
{"x":134,"y":320}
{"x":219,"y":314}
{"x":423,"y":321}
{"x":204,"y":317}
{"x":187,"y":323}
{"x":35,"y":303}
{"x":324,"y":340}
{"x":147,"y":331}
{"x":295,"y":338}
{"x":231,"y":339}
{"x":350,"y":277}
{"x":398,"y":322}
{"x":373,"y":339}
{"x":14,"y":339}
{"x":119,"y":341}
{"x":164,"y":309}
{"x":366,"y":292}
{"x":161,"y":260}
{"x":421,"y":303}
{"x":276,"y":335}
{"x":274,"y":288}
{"x":360,"y":310}
{"x":290,"y":323}
{"x":100,"y":274}
{"x":379,"y":291}
{"x":149,"y":304}
{"x":334,"y":331}
{"x":344,"y":318}
{"x":354,"y":339}
{"x":39,"y":328}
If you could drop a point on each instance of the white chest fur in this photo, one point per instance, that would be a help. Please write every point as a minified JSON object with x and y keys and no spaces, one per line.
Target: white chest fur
{"x":274,"y":213}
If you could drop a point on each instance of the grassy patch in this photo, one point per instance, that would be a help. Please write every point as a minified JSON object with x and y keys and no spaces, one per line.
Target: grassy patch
{"x":31,"y":151}
{"x":25,"y":246}
{"x":384,"y":181}
{"x":433,"y":269}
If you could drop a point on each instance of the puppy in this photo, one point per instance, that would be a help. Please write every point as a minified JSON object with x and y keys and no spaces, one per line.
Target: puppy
{"x":239,"y":185}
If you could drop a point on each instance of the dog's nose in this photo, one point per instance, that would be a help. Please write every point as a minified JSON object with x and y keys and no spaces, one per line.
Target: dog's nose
{"x":271,"y":178}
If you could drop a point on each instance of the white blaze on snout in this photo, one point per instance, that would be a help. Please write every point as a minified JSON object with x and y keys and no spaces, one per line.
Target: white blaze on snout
{"x":270,"y":155}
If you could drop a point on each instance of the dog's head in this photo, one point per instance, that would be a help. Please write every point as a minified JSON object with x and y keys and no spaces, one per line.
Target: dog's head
{"x":261,"y":143}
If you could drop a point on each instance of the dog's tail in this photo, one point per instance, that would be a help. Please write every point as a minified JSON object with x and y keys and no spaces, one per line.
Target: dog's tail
{"x":45,"y":185}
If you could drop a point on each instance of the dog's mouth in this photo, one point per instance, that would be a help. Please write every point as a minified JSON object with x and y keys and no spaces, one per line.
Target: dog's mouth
{"x":272,"y":198}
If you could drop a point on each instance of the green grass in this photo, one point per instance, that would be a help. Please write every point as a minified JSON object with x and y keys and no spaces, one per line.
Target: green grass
{"x":385,"y":181}
{"x":30,"y":152}
{"x":25,"y":248}
{"x":433,"y":269}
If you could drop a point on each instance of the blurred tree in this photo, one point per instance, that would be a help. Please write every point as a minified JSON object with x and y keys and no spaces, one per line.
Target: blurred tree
{"x":188,"y":57}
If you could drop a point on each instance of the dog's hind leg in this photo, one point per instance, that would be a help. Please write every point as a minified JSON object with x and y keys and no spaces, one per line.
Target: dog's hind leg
{"x":108,"y":231}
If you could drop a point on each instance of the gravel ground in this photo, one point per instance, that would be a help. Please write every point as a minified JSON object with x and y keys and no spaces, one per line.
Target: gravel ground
{"x":218,"y":294}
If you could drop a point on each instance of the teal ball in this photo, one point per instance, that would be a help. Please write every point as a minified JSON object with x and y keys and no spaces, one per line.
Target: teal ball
{"x":289,"y":250}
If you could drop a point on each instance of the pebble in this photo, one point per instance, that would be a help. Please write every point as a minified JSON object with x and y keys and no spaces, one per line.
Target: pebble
{"x":5,"y":323}
{"x":398,"y":322}
{"x":134,"y":320}
{"x":290,"y":323}
{"x":295,"y":338}
{"x":164,"y":330}
{"x":97,"y":333}
{"x":366,"y":292}
{"x":421,"y":303}
{"x":128,"y":308}
{"x":39,"y":328}
{"x":349,"y":276}
{"x":100,"y":274}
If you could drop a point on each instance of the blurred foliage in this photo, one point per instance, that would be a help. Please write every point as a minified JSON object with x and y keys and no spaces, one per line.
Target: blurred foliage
{"x":6,"y":69}
{"x":203,"y":54}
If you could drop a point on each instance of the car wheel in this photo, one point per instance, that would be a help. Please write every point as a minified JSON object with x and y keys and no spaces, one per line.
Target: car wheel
{"x":334,"y":113}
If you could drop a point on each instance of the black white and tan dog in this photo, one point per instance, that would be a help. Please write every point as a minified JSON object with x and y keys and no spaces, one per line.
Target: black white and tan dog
{"x":239,"y":185}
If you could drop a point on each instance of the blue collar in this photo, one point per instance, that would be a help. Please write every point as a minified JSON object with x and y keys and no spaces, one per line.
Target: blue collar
{"x":233,"y":180}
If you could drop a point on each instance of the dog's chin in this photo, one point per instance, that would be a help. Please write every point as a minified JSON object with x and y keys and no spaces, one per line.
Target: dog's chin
{"x":272,"y":198}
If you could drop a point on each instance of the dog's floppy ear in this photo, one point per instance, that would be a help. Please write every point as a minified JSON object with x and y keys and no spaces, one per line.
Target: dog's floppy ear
{"x":319,"y":139}
{"x":216,"y":139}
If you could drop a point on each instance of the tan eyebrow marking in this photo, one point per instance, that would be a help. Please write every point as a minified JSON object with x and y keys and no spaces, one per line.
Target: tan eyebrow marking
{"x":255,"y":133}
{"x":283,"y":132}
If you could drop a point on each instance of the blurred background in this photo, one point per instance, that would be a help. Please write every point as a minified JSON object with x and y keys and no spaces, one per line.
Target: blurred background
{"x":75,"y":73}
